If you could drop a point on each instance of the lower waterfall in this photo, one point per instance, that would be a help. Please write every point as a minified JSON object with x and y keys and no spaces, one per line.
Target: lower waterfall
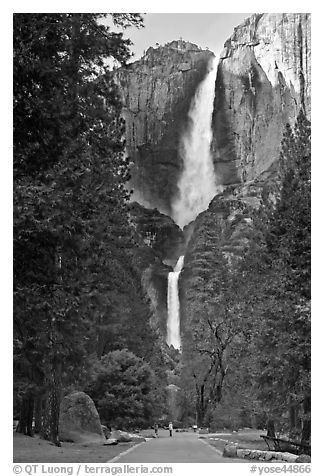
{"x":173,"y":323}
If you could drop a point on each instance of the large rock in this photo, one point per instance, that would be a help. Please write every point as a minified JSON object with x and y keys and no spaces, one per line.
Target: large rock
{"x":289,"y":457}
{"x":263,"y":79}
{"x":121,"y":436}
{"x":243,"y":453}
{"x":125,"y":437}
{"x":230,"y":451}
{"x":79,"y":419}
{"x":111,"y":442}
{"x":303,"y":459}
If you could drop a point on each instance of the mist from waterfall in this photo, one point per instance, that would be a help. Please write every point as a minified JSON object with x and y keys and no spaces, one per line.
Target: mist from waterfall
{"x":173,"y":323}
{"x":197,"y":183}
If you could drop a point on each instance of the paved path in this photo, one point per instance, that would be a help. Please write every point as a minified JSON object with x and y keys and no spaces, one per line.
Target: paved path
{"x":181,"y":448}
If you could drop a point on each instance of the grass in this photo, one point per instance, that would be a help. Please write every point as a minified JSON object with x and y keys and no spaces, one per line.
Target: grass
{"x":36,"y":450}
{"x":249,"y":439}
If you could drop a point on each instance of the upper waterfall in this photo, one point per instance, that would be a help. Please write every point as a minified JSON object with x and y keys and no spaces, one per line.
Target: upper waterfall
{"x":197,"y":183}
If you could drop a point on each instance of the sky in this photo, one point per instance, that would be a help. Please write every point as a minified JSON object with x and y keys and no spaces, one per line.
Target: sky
{"x":204,"y":29}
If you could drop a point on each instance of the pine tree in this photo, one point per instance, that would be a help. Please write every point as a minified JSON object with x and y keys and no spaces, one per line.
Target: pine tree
{"x":284,"y":336}
{"x":69,"y":199}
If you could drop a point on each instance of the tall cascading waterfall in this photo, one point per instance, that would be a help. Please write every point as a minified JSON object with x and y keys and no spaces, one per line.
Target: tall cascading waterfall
{"x":173,"y":323}
{"x":197,"y":183}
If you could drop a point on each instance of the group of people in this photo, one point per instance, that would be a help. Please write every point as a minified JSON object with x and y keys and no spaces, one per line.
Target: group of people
{"x":156,"y":429}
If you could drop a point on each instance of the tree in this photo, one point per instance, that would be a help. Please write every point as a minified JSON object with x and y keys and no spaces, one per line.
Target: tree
{"x":124,"y":390}
{"x":69,"y":198}
{"x":289,"y":244}
{"x":213,"y":322}
{"x":281,"y":314}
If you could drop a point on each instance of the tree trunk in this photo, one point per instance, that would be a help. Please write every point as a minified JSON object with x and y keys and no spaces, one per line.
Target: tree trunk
{"x":38,"y":413}
{"x":201,"y":405}
{"x":292,"y":419}
{"x":25,"y":424}
{"x":306,"y":431}
{"x":271,"y":428}
{"x":50,"y":429}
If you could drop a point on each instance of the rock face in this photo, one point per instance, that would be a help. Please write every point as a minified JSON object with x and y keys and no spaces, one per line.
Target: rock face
{"x":163,"y":243}
{"x":263,"y":79}
{"x":158,"y":231}
{"x":79,"y":419}
{"x":156,"y":93}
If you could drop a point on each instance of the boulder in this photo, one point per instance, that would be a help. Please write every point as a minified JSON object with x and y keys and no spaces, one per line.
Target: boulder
{"x":125,"y":437}
{"x":255,"y":454}
{"x":303,"y":459}
{"x":121,"y":436}
{"x":138,"y":438}
{"x":245,"y":453}
{"x":280,"y":456}
{"x":230,"y":451}
{"x":79,"y":420}
{"x":268,"y":456}
{"x":240,"y":453}
{"x":110,"y":441}
{"x":289,"y":457}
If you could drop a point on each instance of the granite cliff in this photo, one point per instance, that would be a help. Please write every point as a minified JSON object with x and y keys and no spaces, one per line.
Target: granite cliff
{"x":156,"y":93}
{"x":263,"y":80}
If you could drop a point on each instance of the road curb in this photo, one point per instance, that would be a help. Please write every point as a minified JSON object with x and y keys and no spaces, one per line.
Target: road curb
{"x":116,"y":458}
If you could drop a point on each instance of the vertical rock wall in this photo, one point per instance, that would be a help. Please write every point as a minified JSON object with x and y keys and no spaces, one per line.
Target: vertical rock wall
{"x":156,"y":93}
{"x":263,"y":80}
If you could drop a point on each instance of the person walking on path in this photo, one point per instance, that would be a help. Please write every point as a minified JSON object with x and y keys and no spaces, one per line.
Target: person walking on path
{"x":170,"y":428}
{"x":156,"y":429}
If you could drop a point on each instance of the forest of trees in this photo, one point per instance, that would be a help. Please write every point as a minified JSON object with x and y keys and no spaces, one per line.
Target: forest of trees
{"x":247,"y":331}
{"x":77,"y":286}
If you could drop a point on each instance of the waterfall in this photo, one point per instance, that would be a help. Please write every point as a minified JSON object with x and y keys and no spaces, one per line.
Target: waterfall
{"x":197,"y":184}
{"x":173,"y":323}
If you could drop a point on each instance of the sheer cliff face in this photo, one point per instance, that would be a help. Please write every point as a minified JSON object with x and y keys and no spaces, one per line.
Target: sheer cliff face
{"x":263,"y":79}
{"x":156,"y":93}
